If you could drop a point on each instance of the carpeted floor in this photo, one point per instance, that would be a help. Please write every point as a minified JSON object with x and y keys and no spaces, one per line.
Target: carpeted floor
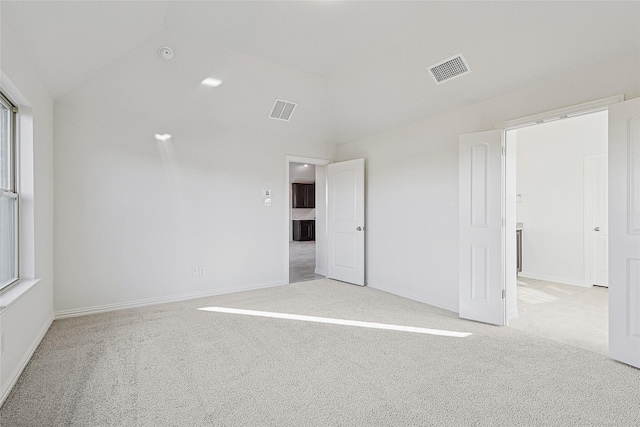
{"x":174,"y":365}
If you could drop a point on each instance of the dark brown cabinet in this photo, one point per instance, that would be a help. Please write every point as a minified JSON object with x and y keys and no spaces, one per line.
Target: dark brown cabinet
{"x":303,"y":196}
{"x":304,"y":229}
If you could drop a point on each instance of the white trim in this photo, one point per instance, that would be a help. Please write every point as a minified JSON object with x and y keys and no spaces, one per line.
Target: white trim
{"x":558,"y":114}
{"x":509,"y":191}
{"x":555,"y":279}
{"x":12,"y":379}
{"x":294,"y":159}
{"x":24,"y":178}
{"x":13,"y":190}
{"x":320,"y":272}
{"x":562,"y":113}
{"x":503,"y":230}
{"x":408,"y":295}
{"x":13,"y":293}
{"x":309,"y":160}
{"x":63,"y":314}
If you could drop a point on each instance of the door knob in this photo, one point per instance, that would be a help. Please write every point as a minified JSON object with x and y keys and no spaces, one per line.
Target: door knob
{"x":359,"y":229}
{"x":596,"y":229}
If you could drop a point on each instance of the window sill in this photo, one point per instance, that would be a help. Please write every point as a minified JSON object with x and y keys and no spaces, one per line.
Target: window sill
{"x":16,"y":291}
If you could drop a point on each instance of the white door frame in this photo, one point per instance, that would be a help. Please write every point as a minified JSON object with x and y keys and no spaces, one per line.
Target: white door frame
{"x":287,"y":218}
{"x":509,"y":207}
{"x":559,"y":114}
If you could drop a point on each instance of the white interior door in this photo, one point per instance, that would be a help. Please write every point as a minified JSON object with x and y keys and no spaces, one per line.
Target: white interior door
{"x":598,"y":225}
{"x":481,"y":237}
{"x":345,"y":221}
{"x":624,"y":232}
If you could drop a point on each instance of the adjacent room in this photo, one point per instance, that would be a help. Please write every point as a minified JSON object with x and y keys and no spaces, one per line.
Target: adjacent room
{"x":302,"y":245}
{"x":561,"y":200}
{"x":284,"y":213}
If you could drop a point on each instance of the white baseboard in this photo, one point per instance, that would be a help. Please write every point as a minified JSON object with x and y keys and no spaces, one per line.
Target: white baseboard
{"x":320,"y":272}
{"x":161,"y":300}
{"x":512,"y":314}
{"x":546,"y":278}
{"x":13,"y":377}
{"x":410,"y":296}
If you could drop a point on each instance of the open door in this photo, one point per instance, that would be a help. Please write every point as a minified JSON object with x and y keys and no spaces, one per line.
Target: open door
{"x":624,"y":232}
{"x":481,"y":231}
{"x":345,"y":221}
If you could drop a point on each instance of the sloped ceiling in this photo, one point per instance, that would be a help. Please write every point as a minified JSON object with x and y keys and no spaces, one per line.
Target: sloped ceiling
{"x":373,"y":56}
{"x":68,"y":41}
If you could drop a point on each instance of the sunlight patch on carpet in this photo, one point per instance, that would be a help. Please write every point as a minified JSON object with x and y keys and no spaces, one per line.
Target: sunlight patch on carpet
{"x":332,"y":321}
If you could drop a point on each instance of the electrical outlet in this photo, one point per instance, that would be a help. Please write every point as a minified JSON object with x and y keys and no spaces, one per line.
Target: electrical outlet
{"x":194,"y":272}
{"x":202,"y":271}
{"x":267,"y":202}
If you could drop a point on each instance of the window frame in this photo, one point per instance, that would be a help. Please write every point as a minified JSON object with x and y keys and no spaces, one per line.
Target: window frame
{"x":11,"y":190}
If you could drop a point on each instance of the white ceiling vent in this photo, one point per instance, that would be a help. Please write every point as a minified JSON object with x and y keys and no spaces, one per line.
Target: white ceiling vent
{"x":282,"y":110}
{"x":450,"y":68}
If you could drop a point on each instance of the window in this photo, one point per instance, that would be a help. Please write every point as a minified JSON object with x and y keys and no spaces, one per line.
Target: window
{"x":8,"y":195}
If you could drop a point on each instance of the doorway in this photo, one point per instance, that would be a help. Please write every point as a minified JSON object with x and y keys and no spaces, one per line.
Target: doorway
{"x":302,"y":233}
{"x":560,"y":198}
{"x":306,"y":219}
{"x":487,"y":214}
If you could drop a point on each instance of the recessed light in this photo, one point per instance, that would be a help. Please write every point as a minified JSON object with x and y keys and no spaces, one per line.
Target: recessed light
{"x":210,"y":81}
{"x":165,"y":52}
{"x":306,"y":166}
{"x":163,"y":137}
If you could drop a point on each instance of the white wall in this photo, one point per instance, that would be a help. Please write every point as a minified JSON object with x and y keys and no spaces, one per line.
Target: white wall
{"x":550,"y":178}
{"x":24,"y":322}
{"x":412,"y":180}
{"x":134,"y":217}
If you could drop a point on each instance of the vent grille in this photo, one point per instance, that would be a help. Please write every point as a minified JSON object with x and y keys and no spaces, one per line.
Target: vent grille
{"x":282,"y":110}
{"x":450,"y":68}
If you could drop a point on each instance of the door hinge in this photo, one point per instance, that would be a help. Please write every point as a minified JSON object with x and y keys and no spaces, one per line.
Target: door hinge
{"x":504,"y":150}
{"x":504,"y":222}
{"x":504,"y":293}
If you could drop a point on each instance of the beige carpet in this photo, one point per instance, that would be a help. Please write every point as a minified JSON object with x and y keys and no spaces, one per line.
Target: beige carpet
{"x":173,"y":365}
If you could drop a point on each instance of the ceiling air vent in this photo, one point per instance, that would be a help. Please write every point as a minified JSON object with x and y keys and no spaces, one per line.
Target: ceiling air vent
{"x":450,"y":68}
{"x":282,"y":110}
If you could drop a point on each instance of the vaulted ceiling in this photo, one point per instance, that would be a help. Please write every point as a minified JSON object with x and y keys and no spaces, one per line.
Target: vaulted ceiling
{"x":374,"y":56}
